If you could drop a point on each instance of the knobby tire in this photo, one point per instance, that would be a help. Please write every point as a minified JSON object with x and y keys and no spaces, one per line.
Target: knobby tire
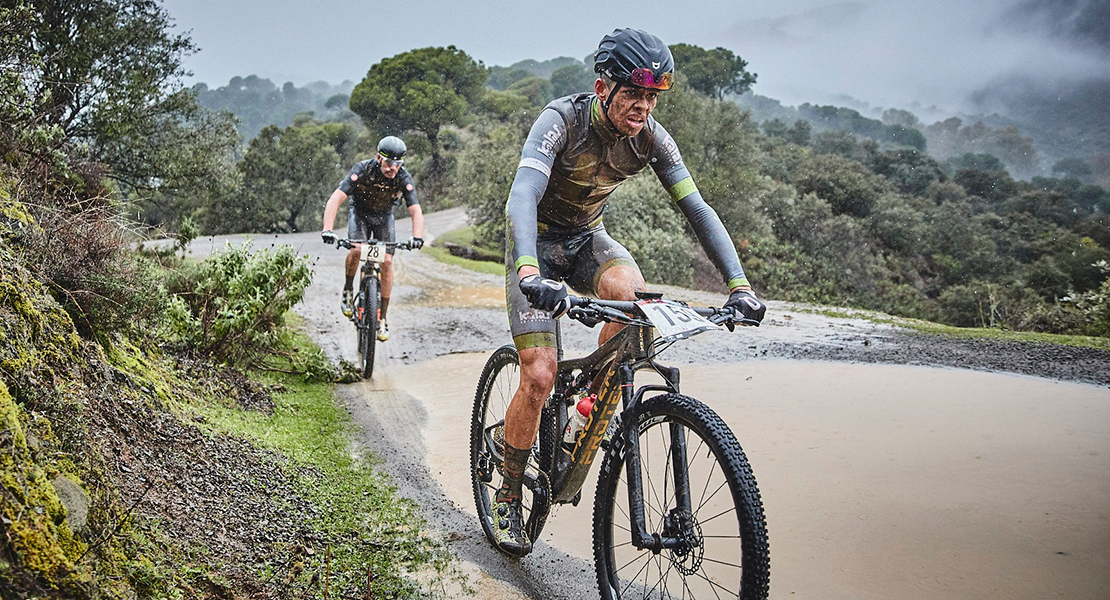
{"x":368,"y":332}
{"x":729,"y":557}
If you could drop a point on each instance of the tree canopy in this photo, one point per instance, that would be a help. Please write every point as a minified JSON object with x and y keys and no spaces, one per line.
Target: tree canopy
{"x":713,"y":72}
{"x":421,"y":89}
{"x":105,"y":76}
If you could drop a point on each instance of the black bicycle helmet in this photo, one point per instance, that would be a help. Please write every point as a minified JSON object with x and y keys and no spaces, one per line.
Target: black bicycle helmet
{"x":631,"y":56}
{"x":392,"y":148}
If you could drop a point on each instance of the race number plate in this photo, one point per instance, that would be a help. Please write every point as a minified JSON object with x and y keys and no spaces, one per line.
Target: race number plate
{"x":674,"y":321}
{"x":373,"y":253}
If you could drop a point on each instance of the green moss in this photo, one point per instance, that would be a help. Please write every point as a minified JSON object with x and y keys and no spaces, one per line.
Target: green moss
{"x":35,"y":518}
{"x":146,"y":368}
{"x":13,"y":214}
{"x":37,"y":333}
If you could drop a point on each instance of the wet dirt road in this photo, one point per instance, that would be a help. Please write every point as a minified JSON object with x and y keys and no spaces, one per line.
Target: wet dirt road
{"x":879,"y":480}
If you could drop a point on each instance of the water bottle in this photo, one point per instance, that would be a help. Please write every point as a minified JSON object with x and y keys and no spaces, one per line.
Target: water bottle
{"x":579,"y":416}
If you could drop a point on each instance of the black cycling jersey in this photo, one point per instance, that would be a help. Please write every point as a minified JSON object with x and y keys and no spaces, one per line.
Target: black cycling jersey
{"x":372,"y":192}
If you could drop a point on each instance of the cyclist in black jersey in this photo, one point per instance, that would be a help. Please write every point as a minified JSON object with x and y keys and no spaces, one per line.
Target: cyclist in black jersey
{"x":578,"y":151}
{"x":374,"y":187}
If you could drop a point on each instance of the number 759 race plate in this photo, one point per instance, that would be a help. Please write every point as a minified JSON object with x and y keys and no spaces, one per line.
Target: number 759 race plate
{"x":674,"y":321}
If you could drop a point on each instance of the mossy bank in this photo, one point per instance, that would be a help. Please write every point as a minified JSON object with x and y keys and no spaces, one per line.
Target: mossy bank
{"x":127,"y":470}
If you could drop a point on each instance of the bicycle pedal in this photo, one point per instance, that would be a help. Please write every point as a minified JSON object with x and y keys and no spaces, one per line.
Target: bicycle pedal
{"x":485,"y":470}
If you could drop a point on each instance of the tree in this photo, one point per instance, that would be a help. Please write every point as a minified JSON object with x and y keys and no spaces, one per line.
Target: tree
{"x":845,"y":184}
{"x":421,"y":89}
{"x":1072,"y":167}
{"x":285,"y":173}
{"x":979,"y":162}
{"x":101,"y":80}
{"x":502,"y":77}
{"x":713,"y":72}
{"x":501,"y":105}
{"x":536,"y":89}
{"x":909,"y":170}
{"x":572,"y":79}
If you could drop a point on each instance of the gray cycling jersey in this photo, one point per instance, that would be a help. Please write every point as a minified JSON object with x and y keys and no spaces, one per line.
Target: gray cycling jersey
{"x":571,"y":162}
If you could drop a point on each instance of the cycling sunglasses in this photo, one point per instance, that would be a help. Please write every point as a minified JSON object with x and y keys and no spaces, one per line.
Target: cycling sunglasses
{"x":385,"y":160}
{"x":646,"y":79}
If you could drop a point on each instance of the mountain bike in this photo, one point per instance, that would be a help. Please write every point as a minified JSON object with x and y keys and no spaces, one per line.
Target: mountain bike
{"x":677,"y":512}
{"x":368,"y":302}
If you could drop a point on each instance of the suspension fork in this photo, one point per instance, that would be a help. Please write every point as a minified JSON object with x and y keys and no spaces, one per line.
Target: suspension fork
{"x":641,"y":537}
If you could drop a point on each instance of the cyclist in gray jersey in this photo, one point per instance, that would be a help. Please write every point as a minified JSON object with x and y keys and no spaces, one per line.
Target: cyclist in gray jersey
{"x":578,"y":151}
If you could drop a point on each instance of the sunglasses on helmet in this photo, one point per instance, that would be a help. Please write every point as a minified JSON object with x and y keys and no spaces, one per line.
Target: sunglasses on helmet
{"x":646,"y":79}
{"x":385,"y":160}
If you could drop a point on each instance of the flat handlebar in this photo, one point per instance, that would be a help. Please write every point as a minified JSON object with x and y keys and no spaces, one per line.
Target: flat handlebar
{"x":345,"y":243}
{"x":586,"y":310}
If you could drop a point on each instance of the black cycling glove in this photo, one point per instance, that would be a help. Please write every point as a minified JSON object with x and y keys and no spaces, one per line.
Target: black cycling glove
{"x":545,"y":294}
{"x":328,"y":236}
{"x":416,"y":243}
{"x":746,"y":305}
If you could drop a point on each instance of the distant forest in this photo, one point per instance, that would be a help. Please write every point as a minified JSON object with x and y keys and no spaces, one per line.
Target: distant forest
{"x":965,"y":222}
{"x":257,"y":102}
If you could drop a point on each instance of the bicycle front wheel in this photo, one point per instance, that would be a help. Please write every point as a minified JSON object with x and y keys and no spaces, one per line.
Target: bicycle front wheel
{"x":698,"y":492}
{"x":368,"y":329}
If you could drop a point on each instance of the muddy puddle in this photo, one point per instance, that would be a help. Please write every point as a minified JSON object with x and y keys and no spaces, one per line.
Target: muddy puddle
{"x":472,"y":296}
{"x":879,"y":481}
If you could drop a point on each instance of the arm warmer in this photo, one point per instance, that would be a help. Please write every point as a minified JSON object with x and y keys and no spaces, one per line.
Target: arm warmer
{"x":547,"y":137}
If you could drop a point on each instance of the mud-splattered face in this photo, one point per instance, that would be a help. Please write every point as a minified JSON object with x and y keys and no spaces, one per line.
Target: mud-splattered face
{"x":630,"y":107}
{"x":389,"y":168}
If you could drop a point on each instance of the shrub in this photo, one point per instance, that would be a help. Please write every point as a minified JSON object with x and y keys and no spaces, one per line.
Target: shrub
{"x":1095,"y":305}
{"x":231,"y":306}
{"x":79,"y":249}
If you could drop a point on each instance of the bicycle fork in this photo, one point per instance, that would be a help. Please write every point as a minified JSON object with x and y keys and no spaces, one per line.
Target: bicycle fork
{"x":677,"y":522}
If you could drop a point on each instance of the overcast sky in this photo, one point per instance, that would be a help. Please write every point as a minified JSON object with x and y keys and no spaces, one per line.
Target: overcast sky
{"x":887,"y":53}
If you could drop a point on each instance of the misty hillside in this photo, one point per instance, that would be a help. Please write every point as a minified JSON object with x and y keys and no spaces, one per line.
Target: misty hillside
{"x":258,"y":102}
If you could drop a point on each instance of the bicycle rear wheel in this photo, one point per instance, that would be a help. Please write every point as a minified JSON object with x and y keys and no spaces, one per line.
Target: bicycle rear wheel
{"x":720,"y":533}
{"x":496,"y":386}
{"x":368,"y":326}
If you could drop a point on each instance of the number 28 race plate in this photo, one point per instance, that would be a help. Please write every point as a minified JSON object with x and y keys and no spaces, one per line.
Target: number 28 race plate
{"x":373,"y":252}
{"x":674,"y":321}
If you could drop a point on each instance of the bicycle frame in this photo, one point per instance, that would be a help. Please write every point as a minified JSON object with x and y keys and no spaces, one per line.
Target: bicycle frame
{"x":369,"y":268}
{"x":610,"y":370}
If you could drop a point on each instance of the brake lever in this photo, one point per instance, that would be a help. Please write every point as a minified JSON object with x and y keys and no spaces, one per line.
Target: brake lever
{"x":584,"y":316}
{"x":730,"y":321}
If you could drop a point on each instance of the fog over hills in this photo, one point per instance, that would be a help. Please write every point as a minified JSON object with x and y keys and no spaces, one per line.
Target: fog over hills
{"x":1041,"y":64}
{"x":944,"y":53}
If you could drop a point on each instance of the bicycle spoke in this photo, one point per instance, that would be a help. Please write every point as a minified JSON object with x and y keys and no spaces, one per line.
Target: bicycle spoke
{"x":633,"y":578}
{"x":701,"y":444}
{"x":686,"y":588}
{"x":724,"y":512}
{"x":625,"y":529}
{"x":658,"y":567}
{"x":721,"y":562}
{"x":661,"y":510}
{"x":723,"y":484}
{"x":714,"y":584}
{"x":621,"y":545}
{"x":622,"y":485}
